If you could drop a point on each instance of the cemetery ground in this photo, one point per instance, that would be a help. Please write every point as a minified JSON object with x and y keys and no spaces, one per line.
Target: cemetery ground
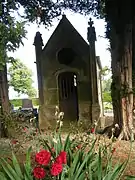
{"x":27,"y":135}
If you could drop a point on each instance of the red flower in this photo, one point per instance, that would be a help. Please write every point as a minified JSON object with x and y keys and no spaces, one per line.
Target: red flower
{"x":92,"y":130}
{"x":113,"y":150}
{"x":25,"y":129}
{"x":79,"y":146}
{"x":56,"y":169}
{"x":39,"y":172}
{"x":62,"y":158}
{"x":14,"y":141}
{"x":9,"y":159}
{"x":53,"y":150}
{"x":43,"y":157}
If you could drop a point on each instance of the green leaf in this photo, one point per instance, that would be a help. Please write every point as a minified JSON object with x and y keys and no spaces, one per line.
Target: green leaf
{"x":28,"y":157}
{"x":2,"y":176}
{"x":9,"y":170}
{"x":90,"y":173}
{"x":130,"y":177}
{"x":67,"y":143}
{"x":28,"y":177}
{"x":17,"y":166}
{"x":99,"y":165}
{"x":74,"y":165}
{"x":59,"y":143}
{"x":116,"y":172}
{"x":27,"y":165}
{"x":86,"y":158}
{"x":82,"y":176}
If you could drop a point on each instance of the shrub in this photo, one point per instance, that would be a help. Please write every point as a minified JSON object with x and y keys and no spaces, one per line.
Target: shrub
{"x":35,"y":101}
{"x":18,"y":102}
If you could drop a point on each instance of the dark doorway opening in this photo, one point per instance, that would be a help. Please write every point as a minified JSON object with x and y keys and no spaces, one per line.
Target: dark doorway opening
{"x":68,"y":95}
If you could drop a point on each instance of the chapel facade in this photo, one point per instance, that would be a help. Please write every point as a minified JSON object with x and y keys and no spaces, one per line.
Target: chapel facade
{"x":69,"y":74}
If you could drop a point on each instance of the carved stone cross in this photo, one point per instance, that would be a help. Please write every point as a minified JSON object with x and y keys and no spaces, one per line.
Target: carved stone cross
{"x":90,"y":22}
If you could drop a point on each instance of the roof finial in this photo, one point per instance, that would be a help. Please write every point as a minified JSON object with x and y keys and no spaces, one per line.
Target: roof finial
{"x":38,"y":39}
{"x":90,"y":22}
{"x":63,"y":15}
{"x":91,"y":34}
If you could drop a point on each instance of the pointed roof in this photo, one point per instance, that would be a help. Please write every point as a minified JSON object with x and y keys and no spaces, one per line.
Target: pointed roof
{"x":64,"y":22}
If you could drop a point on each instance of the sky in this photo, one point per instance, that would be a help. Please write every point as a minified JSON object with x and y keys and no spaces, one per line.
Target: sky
{"x":26,"y":53}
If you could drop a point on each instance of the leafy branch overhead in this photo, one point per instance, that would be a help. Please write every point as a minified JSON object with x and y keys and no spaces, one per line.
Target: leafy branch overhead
{"x":11,"y":30}
{"x":47,"y":10}
{"x":20,"y":78}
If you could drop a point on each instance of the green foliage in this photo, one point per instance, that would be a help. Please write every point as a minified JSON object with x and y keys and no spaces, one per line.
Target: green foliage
{"x":21,"y":79}
{"x":106,"y":84}
{"x":80,"y":164}
{"x":18,"y":102}
{"x":12,"y":171}
{"x":47,"y":10}
{"x":96,"y":7}
{"x":105,"y":71}
{"x":35,"y":101}
{"x":11,"y":31}
{"x":107,"y":97}
{"x":78,"y":158}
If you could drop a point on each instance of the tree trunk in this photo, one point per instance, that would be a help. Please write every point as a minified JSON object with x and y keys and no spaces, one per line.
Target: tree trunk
{"x":4,"y":102}
{"x":126,"y":87}
{"x":133,"y":66}
{"x":122,"y":94}
{"x":119,"y":19}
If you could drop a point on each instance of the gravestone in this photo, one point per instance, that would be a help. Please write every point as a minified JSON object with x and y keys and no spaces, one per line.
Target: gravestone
{"x":27,"y":104}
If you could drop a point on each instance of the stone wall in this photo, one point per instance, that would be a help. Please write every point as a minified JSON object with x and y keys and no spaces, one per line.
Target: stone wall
{"x":47,"y":116}
{"x":95,"y":112}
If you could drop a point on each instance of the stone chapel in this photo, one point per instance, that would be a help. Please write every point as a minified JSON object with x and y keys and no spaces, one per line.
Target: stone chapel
{"x":69,"y":74}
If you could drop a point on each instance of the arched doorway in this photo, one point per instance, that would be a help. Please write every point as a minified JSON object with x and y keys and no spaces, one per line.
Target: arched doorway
{"x":68,"y":95}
